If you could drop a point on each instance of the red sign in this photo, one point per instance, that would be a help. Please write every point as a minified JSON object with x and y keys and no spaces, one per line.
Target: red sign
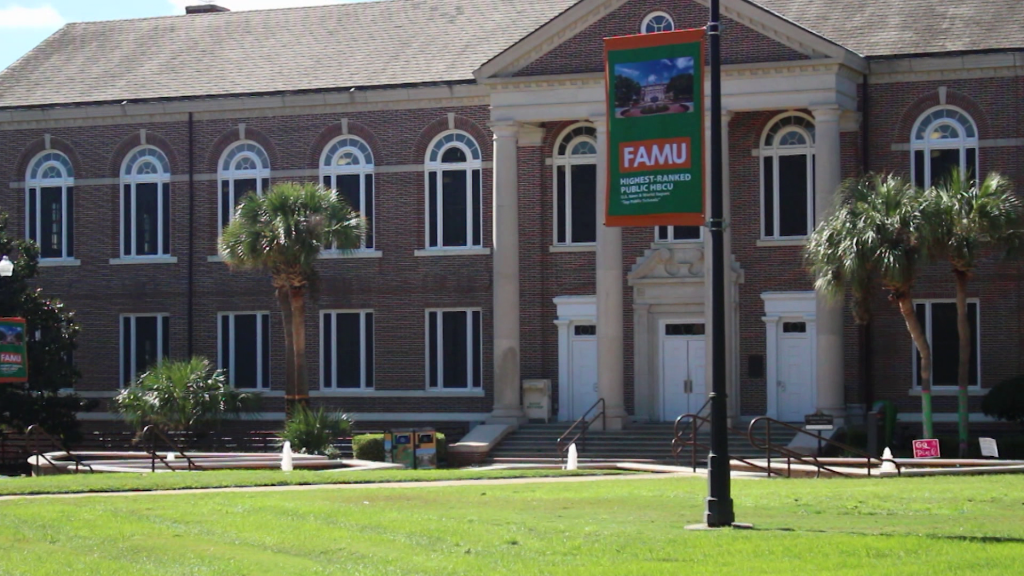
{"x":659,"y":154}
{"x":926,"y":448}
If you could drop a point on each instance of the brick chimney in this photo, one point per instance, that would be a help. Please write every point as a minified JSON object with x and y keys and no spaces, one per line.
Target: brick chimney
{"x":205,"y":9}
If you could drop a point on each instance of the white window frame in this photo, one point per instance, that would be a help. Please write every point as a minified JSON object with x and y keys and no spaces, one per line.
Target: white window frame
{"x":434,"y":169}
{"x":566,"y":161}
{"x":227,"y":170}
{"x":130,"y":177}
{"x":329,"y":168}
{"x":228,"y":364}
{"x":39,"y":164}
{"x":775,"y":152}
{"x":470,"y":335}
{"x":928,"y":144}
{"x":121,"y":349}
{"x":672,"y":236}
{"x":927,"y":327}
{"x":364,"y":383}
{"x":656,"y":14}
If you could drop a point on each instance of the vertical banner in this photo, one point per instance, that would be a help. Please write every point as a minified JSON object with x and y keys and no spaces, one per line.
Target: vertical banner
{"x":655,"y":100}
{"x":13,"y":354}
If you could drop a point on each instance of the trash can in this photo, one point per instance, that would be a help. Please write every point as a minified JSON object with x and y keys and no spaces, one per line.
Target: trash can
{"x":426,"y":449}
{"x":537,"y":399}
{"x":399,"y":448}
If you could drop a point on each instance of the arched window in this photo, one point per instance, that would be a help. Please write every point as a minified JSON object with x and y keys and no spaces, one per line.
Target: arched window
{"x":575,"y":164}
{"x":347,"y":166}
{"x":244,"y":168}
{"x":145,"y":203}
{"x":454,"y":200}
{"x":944,"y":139}
{"x":787,"y":177}
{"x":50,"y":206}
{"x":657,"y":22}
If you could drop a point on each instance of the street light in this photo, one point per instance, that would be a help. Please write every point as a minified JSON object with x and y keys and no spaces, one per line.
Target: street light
{"x":6,"y":267}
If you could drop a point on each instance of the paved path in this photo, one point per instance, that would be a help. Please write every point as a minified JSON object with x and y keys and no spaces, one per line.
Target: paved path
{"x":439,"y":483}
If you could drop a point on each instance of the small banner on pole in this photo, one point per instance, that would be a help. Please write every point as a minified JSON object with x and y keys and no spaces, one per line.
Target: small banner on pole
{"x":13,"y":354}
{"x":655,"y":101}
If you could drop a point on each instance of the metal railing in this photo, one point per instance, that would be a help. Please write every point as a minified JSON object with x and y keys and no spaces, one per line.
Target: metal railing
{"x":35,"y":435}
{"x":152,"y":434}
{"x":695,"y":421}
{"x":583,"y":423}
{"x":791,"y":455}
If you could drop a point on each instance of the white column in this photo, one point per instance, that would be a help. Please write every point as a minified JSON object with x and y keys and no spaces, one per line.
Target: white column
{"x":828,"y":314}
{"x":610,"y":276}
{"x":643,"y":376}
{"x":507,"y":401}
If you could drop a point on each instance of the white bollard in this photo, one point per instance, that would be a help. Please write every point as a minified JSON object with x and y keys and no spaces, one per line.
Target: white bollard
{"x":887,"y":464}
{"x":573,"y":462}
{"x":286,"y":457}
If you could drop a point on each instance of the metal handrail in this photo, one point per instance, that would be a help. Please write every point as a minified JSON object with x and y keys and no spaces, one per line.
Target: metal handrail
{"x":696,"y":421}
{"x":680,"y":419}
{"x":32,"y":435}
{"x":791,"y":455}
{"x":584,"y":424}
{"x":153,"y":434}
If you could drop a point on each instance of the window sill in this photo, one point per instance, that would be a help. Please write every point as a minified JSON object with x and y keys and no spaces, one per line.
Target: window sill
{"x":951,"y":391}
{"x":54,"y":262}
{"x":264,"y":392}
{"x":144,"y":260}
{"x":339,"y":255}
{"x":771,"y":242}
{"x":215,"y":258}
{"x":365,"y":392}
{"x":453,"y":252}
{"x":474,"y":392}
{"x":572,"y":248}
{"x":684,"y":243}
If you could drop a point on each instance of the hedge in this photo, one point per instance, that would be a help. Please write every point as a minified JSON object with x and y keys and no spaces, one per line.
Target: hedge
{"x":371,"y":447}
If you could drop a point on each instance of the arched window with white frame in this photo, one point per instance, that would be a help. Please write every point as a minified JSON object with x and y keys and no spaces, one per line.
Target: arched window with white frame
{"x":787,"y":177}
{"x":657,"y":22}
{"x":575,"y":162}
{"x":244,"y":168}
{"x":454,"y":196}
{"x":944,"y":139}
{"x":145,"y":203}
{"x":347,"y":167}
{"x":49,"y":203}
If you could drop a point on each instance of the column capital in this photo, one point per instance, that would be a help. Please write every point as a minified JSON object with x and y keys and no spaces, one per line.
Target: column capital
{"x":531,"y":135}
{"x":504,"y":128}
{"x":826,"y":113}
{"x":600,"y":122}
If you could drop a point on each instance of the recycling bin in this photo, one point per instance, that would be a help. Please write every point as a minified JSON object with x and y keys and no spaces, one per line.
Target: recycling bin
{"x":426,"y":449}
{"x":399,"y":448}
{"x":537,"y":399}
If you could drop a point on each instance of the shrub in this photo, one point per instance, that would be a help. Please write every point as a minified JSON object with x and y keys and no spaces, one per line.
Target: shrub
{"x":315,"y":432}
{"x":371,"y":447}
{"x":1005,"y":401}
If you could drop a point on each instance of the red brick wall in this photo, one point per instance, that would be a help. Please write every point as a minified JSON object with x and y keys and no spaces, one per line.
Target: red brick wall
{"x":585,"y":51}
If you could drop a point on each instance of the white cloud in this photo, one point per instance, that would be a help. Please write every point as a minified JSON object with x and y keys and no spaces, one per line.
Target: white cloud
{"x":255,"y":4}
{"x":15,"y":16}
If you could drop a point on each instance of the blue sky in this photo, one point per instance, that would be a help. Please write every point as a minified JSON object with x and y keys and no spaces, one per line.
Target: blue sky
{"x":655,"y":71}
{"x":25,"y":23}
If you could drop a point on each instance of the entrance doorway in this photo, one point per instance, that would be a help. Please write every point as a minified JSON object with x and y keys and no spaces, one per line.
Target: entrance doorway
{"x":583,"y":369}
{"x":794,"y":386}
{"x":683,"y":388}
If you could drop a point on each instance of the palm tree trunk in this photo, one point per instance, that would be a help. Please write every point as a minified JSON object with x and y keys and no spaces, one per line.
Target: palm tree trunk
{"x":298,"y":296}
{"x":285,"y":301}
{"x":924,"y":349}
{"x":964,"y":369}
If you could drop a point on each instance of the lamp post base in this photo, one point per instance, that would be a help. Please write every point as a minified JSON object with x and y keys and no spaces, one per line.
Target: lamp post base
{"x":736,"y":525}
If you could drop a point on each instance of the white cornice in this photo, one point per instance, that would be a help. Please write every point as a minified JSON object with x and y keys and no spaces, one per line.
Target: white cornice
{"x":961,"y":67}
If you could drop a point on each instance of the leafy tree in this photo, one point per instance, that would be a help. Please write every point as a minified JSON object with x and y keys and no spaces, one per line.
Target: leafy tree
{"x":681,"y":86}
{"x":876,"y":234}
{"x":627,"y":91}
{"x":964,"y":219}
{"x":183,"y":396}
{"x":1005,"y":401}
{"x":283,"y":233}
{"x":52,"y":331}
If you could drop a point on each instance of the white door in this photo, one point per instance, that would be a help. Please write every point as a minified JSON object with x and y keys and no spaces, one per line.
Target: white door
{"x":683,"y":389}
{"x":795,"y":385}
{"x":582,"y":370}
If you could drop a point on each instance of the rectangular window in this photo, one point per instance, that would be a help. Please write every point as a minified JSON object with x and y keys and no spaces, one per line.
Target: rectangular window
{"x":346,"y":350}
{"x":576,"y":204}
{"x":454,"y":349}
{"x":232,"y":192}
{"x":50,"y":217}
{"x":939,"y":321}
{"x":244,"y":348}
{"x":678,"y":233}
{"x":145,"y":341}
{"x":146,"y":219}
{"x":357,"y":190}
{"x":788,"y":195}
{"x":454,"y":209}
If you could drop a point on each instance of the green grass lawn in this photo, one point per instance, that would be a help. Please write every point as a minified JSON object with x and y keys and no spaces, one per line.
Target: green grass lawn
{"x":932,"y":526}
{"x":72,"y":483}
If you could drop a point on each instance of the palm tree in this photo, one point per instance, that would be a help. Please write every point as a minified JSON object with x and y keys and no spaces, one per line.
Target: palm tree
{"x":876,"y":235}
{"x":283,"y":233}
{"x":964,"y":218}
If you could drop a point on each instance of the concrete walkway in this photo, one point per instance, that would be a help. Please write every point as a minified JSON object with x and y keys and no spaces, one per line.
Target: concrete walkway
{"x":439,"y":483}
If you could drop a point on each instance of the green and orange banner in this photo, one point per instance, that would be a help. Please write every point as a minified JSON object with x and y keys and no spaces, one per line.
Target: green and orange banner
{"x":655,"y":101}
{"x":13,"y":353}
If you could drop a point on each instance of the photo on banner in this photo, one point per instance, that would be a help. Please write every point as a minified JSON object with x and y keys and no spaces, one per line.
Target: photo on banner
{"x":13,"y":351}
{"x":655,"y":102}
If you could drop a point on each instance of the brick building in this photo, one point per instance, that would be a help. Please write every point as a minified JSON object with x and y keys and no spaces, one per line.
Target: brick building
{"x":470,"y":133}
